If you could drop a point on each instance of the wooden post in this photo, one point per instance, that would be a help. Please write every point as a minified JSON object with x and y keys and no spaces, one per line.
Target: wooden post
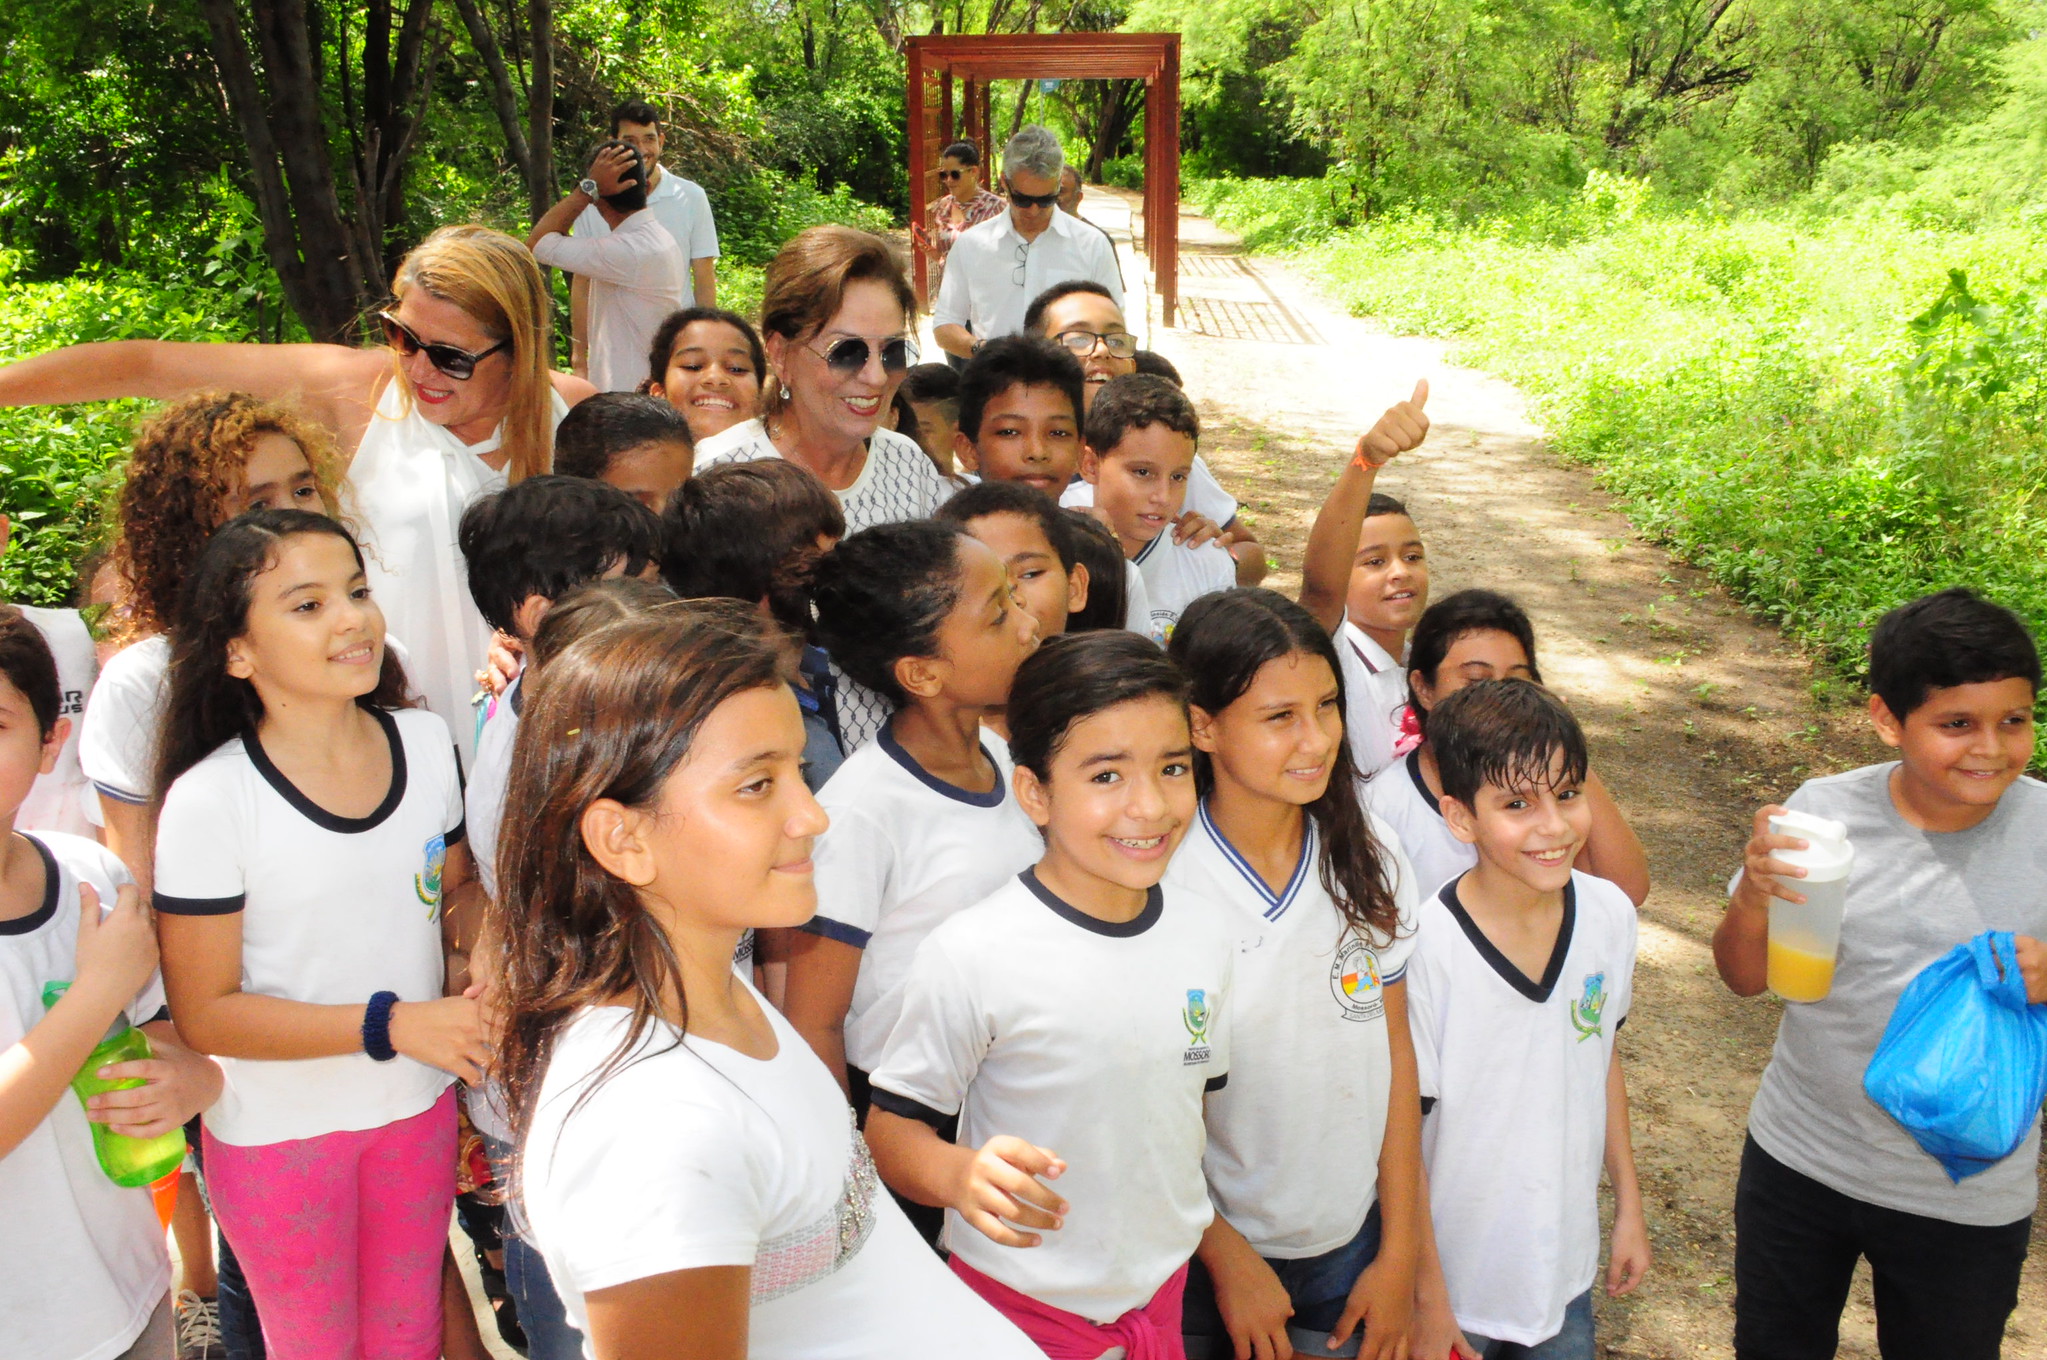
{"x":1163,"y":129}
{"x":913,"y":98}
{"x":946,"y":124}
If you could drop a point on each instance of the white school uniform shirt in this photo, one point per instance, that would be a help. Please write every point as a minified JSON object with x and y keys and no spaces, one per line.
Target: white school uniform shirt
{"x":1136,"y":602}
{"x":412,"y":480}
{"x":905,"y":852}
{"x":1517,"y":1217}
{"x":692,"y":1155}
{"x":1375,"y":692}
{"x":638,"y":275}
{"x":983,"y":289}
{"x":1398,"y":796}
{"x":1205,"y":495}
{"x":62,"y":799}
{"x":1026,"y":1016}
{"x":334,"y":909}
{"x":678,"y":204}
{"x":1293,"y":1140}
{"x":484,"y":801}
{"x":82,"y":1260}
{"x":896,"y":482}
{"x":1176,"y":575}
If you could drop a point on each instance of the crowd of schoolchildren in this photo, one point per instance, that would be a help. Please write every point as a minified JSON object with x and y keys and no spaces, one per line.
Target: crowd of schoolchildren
{"x":1170,"y":968}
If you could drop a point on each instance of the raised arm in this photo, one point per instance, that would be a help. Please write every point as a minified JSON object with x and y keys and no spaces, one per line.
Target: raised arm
{"x":332,"y":384}
{"x":1333,"y":541}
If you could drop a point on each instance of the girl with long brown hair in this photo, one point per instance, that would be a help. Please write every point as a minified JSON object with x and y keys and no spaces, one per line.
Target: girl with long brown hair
{"x":1314,"y":1149}
{"x":458,"y":399}
{"x":688,"y":1169}
{"x":310,"y":877}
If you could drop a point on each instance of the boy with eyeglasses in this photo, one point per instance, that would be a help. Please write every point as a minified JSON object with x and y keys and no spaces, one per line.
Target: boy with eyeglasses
{"x":1081,"y":317}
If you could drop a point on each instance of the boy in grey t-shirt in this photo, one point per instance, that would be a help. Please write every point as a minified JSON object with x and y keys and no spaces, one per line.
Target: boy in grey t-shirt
{"x":1950,"y":840}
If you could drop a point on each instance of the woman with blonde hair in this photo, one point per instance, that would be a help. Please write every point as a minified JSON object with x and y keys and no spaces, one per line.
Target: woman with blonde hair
{"x":459,"y":400}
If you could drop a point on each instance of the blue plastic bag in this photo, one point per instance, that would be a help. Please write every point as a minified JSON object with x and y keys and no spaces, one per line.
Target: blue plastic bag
{"x":1963,"y":1062}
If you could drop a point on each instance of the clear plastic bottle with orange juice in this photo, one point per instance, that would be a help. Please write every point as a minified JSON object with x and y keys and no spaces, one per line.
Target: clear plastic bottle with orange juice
{"x":1805,"y":937}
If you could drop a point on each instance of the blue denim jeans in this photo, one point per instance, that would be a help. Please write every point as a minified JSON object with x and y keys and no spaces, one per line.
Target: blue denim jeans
{"x":1574,"y":1342}
{"x":1318,"y":1286}
{"x":548,"y":1333}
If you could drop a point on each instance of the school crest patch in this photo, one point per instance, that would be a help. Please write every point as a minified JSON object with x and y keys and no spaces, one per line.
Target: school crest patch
{"x":1355,"y":981}
{"x":1590,"y":1007}
{"x":427,"y":883}
{"x":1195,"y":1016}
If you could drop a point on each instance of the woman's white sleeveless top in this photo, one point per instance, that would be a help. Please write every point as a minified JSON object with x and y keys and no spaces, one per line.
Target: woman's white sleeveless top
{"x":410,"y":481}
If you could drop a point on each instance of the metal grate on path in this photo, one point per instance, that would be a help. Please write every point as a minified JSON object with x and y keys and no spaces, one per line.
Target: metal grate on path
{"x":1230,"y":320}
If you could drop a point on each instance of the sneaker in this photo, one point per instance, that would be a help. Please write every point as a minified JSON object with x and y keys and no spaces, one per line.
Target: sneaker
{"x":199,"y":1328}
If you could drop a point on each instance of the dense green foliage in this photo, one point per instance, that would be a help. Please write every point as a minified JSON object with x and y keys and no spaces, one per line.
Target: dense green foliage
{"x":1833,"y":404}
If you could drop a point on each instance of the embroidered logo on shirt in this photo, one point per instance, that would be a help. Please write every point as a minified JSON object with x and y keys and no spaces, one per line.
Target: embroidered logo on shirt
{"x":428,"y":884}
{"x":1195,"y":1017}
{"x":1354,"y":978}
{"x":1589,"y":1007}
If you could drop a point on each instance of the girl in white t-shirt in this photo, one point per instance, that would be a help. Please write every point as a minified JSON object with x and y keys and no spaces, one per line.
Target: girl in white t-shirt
{"x":1073,"y":1022}
{"x":687,"y":1166}
{"x":1470,"y":636}
{"x":923,"y":821}
{"x":309,"y":863}
{"x":196,"y":464}
{"x":1308,"y":1247}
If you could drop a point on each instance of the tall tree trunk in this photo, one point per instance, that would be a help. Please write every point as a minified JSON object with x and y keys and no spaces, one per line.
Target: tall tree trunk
{"x":317,"y":258}
{"x":540,"y":186}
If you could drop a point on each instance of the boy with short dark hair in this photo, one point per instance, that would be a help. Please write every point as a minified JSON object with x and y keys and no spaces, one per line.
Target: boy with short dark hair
{"x":932,"y":392}
{"x":1950,"y":840}
{"x":1522,"y":975}
{"x":1020,"y":400}
{"x":754,"y":532}
{"x":525,"y":546}
{"x":1141,"y":436}
{"x":637,"y":443}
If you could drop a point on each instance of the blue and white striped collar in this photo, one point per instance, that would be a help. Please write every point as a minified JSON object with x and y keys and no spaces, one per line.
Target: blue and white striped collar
{"x":1276,"y":904}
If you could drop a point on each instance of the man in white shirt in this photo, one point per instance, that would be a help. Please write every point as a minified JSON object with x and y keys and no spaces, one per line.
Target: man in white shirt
{"x":995,"y":269}
{"x":1070,"y":191}
{"x":680,"y":205}
{"x":634,"y":271}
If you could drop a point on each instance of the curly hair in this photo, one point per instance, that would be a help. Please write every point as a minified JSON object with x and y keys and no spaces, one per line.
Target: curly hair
{"x":189,"y":458}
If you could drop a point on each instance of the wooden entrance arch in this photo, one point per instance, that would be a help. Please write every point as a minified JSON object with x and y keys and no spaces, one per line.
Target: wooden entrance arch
{"x":1154,"y":58}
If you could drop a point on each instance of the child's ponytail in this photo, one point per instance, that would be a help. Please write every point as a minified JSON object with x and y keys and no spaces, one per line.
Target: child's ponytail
{"x":1222,"y":642}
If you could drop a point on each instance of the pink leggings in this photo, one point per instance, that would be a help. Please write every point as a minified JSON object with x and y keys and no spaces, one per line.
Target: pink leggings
{"x":341,"y":1236}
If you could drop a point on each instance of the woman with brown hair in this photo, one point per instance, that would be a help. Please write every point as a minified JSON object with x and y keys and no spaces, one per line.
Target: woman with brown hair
{"x":459,"y":400}
{"x":688,"y":1169}
{"x":835,"y":313}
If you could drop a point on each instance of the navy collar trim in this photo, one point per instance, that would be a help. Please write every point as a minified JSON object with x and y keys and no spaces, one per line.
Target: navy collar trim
{"x":1154,"y":907}
{"x":1536,"y":991}
{"x":1421,"y":785}
{"x":894,"y":748}
{"x":312,"y":811}
{"x":44,"y":914}
{"x":1276,"y":904}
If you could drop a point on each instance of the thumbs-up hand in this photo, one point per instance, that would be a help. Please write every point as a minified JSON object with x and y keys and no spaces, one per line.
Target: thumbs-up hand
{"x":1403,"y":427}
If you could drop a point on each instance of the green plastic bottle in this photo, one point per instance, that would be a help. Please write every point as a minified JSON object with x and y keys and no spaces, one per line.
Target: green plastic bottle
{"x":127,"y":1161}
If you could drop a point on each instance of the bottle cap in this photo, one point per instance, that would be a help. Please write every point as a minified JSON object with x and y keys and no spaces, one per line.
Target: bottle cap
{"x":1827,"y":855}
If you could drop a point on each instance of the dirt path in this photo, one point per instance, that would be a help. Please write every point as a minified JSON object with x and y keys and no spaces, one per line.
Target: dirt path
{"x":1695,"y":711}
